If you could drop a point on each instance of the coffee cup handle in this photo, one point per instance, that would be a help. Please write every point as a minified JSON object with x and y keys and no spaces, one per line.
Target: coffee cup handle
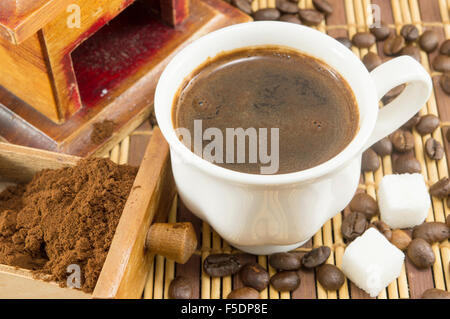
{"x":387,"y":76}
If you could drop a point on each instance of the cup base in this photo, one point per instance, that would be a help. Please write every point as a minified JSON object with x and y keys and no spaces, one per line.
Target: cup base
{"x":269,"y":249}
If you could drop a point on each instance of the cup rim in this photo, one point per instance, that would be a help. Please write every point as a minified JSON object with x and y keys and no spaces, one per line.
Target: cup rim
{"x":349,"y":152}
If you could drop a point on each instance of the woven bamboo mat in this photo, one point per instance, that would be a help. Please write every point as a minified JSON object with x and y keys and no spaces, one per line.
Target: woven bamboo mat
{"x":349,"y":17}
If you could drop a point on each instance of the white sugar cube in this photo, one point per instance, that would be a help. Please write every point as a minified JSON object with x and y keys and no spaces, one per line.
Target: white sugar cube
{"x":371,"y":262}
{"x":403,"y":200}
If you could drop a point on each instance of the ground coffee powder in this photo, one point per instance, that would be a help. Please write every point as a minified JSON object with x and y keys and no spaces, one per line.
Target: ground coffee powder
{"x":63,"y":217}
{"x":102,"y":131}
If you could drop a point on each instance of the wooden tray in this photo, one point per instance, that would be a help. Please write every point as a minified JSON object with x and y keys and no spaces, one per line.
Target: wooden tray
{"x":349,"y":17}
{"x":127,"y":264}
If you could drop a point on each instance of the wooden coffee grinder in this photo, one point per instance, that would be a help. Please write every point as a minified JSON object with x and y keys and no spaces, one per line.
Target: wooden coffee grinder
{"x":67,"y":64}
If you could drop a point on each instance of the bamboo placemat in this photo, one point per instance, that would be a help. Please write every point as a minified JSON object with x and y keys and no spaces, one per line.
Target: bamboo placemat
{"x":349,"y":17}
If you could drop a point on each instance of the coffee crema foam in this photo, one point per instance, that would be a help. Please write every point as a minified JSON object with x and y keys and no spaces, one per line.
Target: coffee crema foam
{"x":265,"y":110}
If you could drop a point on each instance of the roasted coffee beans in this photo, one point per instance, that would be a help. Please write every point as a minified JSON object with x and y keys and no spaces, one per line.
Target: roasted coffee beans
{"x":402,"y":141}
{"x":311,"y":17}
{"x":441,"y":188}
{"x":432,"y":232}
{"x":330,"y":277}
{"x":406,"y":163}
{"x":219,"y":265}
{"x":420,"y":253}
{"x":427,"y":124}
{"x":370,"y":161}
{"x":429,"y":41}
{"x":371,"y":61}
{"x":255,"y":276}
{"x":266,"y":14}
{"x":381,"y":33}
{"x":363,"y":39}
{"x":409,"y":32}
{"x":285,"y":281}
{"x":364,"y":203}
{"x":244,"y":293}
{"x":181,"y":288}
{"x":383,"y":147}
{"x":393,"y":45}
{"x":400,"y":239}
{"x":323,"y":6}
{"x":316,"y":257}
{"x":284,"y":261}
{"x":353,"y":225}
{"x":434,"y":149}
{"x":434,"y":293}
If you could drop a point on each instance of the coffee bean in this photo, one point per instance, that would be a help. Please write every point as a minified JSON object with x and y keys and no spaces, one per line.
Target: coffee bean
{"x":445,"y":82}
{"x":434,"y":293}
{"x":243,"y":293}
{"x":400,"y":239}
{"x":286,"y":6}
{"x":243,"y":5}
{"x":364,"y":203}
{"x":427,"y":124}
{"x":181,"y":288}
{"x":353,"y":225}
{"x":445,"y":47}
{"x":292,"y":18}
{"x":345,"y":41}
{"x":441,"y":188}
{"x":412,"y":51}
{"x":371,"y":61}
{"x":434,"y":149}
{"x":266,"y":14}
{"x":402,"y":141}
{"x":392,"y":94}
{"x":409,"y":32}
{"x":406,"y":163}
{"x":284,"y":261}
{"x":255,"y":276}
{"x":382,"y":32}
{"x":448,"y":217}
{"x":393,"y":45}
{"x":383,"y":147}
{"x":323,"y":6}
{"x":429,"y":41}
{"x":363,"y":39}
{"x":285,"y":281}
{"x":383,"y":228}
{"x":330,"y":277}
{"x":220,"y":265}
{"x":411,"y":122}
{"x":441,"y":63}
{"x":420,"y":253}
{"x":370,"y":161}
{"x":311,"y":17}
{"x":432,"y":232}
{"x":316,"y":257}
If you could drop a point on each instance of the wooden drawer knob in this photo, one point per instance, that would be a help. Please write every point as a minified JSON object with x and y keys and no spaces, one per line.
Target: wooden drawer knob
{"x":176,"y":241}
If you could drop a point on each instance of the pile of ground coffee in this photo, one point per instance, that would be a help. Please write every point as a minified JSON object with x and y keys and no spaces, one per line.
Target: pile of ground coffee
{"x":63,"y":217}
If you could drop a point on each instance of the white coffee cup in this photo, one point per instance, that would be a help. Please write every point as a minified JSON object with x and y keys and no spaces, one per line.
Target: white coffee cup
{"x":263,"y":214}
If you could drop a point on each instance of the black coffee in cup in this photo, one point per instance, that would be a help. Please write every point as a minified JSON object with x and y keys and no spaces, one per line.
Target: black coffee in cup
{"x":239,"y":94}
